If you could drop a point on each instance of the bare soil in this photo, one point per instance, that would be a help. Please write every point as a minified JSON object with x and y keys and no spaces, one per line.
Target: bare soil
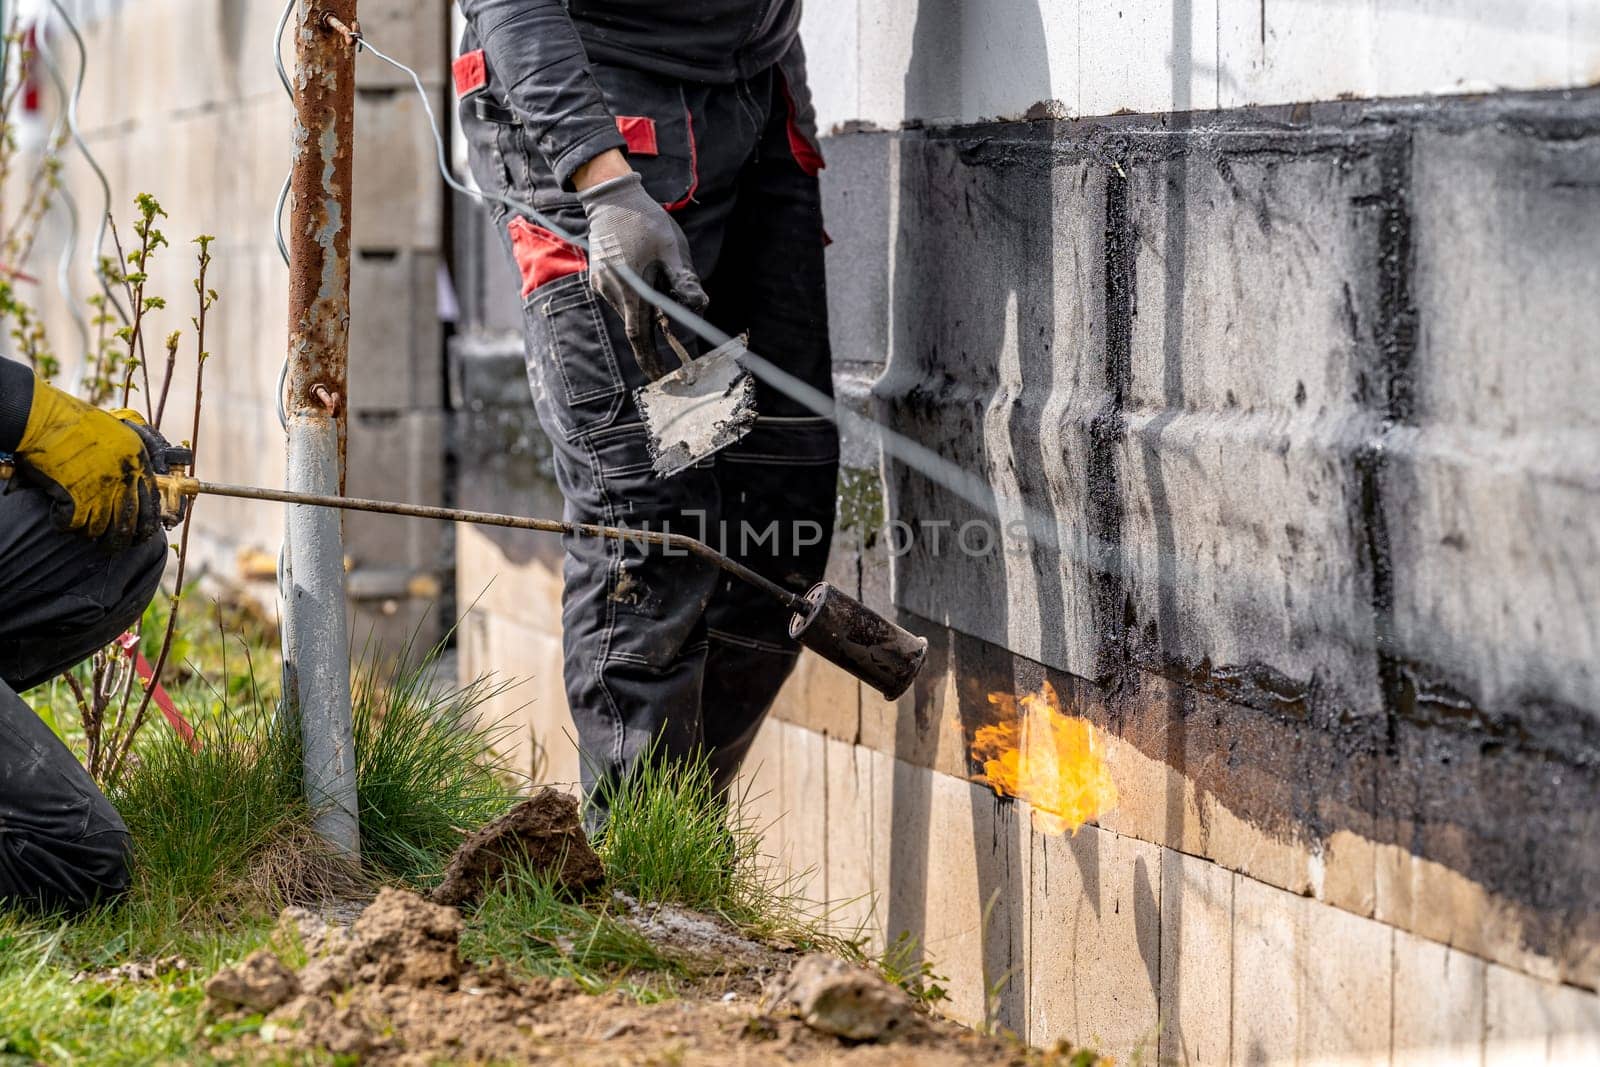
{"x":393,"y":990}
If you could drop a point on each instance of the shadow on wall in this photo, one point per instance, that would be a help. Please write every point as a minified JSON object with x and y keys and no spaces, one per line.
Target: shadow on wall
{"x":943,"y":214}
{"x":986,"y":377}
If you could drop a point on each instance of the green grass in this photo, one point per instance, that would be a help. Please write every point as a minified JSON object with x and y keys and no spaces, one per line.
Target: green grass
{"x":222,"y":839}
{"x":537,"y":927}
{"x":425,"y":770}
{"x":670,"y":839}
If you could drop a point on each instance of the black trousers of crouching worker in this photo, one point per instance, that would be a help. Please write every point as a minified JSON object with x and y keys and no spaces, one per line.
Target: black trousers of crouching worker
{"x":62,"y":596}
{"x":663,"y":648}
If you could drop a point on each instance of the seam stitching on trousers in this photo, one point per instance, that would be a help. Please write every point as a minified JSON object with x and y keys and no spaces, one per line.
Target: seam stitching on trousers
{"x":746,"y":642}
{"x":613,"y":565}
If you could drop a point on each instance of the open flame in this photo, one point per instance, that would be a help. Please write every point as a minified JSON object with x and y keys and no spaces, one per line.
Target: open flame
{"x":1049,"y":759}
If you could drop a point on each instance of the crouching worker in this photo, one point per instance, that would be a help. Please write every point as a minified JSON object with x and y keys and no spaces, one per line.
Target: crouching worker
{"x":81,"y":554}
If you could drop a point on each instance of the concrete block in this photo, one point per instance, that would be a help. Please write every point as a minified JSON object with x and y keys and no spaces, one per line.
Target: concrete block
{"x":850,"y":873}
{"x":396,"y":348}
{"x":1528,"y":1021}
{"x":1345,"y":987}
{"x":1451,"y":46}
{"x":1311,"y":983}
{"x":415,"y":34}
{"x":1242,"y":394}
{"x":1504,"y":224}
{"x":931,"y":726}
{"x":1095,"y":945}
{"x":524,"y":588}
{"x":1281,"y":51}
{"x":829,"y":33}
{"x":1196,"y":902}
{"x":821,"y":697}
{"x":398,"y":191}
{"x":1277,"y":51}
{"x":760,"y":786}
{"x":1006,"y":385}
{"x":954,"y":861}
{"x":1433,"y":901}
{"x":1148,"y":57}
{"x":802,"y":797}
{"x":1268,"y":951}
{"x":939,"y":62}
{"x":539,"y":737}
{"x":857,"y":199}
{"x":395,"y":457}
{"x":1438,"y":1004}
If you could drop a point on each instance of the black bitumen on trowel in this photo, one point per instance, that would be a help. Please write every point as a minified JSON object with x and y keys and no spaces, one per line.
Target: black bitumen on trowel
{"x":832,"y":624}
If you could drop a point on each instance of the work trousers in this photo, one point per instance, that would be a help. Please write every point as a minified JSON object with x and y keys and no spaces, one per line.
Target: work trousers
{"x":62,"y":596}
{"x":663,"y":649}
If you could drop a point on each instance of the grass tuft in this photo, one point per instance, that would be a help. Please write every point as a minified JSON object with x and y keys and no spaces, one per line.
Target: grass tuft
{"x":426,"y":771}
{"x":671,"y":838}
{"x":533,"y":924}
{"x":201,"y":818}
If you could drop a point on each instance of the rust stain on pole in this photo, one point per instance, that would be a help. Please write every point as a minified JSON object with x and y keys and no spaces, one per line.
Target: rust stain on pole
{"x":319,"y":233}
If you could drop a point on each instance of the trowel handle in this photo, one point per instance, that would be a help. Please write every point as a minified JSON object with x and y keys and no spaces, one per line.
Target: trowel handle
{"x":672,"y":339}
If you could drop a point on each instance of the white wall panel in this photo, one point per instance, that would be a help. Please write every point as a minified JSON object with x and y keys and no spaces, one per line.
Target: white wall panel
{"x":891,"y":62}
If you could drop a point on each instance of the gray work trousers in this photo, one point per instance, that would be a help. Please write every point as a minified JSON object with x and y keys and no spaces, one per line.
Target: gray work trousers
{"x":62,"y":596}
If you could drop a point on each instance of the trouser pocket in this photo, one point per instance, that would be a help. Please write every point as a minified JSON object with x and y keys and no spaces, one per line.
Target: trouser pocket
{"x":571,"y":360}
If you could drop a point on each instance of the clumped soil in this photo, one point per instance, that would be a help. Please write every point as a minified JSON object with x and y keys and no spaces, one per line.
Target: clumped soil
{"x":392,"y":989}
{"x":545,"y":832}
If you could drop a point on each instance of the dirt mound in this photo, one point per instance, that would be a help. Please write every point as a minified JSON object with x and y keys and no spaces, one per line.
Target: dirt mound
{"x":544,"y":830}
{"x":392,"y":989}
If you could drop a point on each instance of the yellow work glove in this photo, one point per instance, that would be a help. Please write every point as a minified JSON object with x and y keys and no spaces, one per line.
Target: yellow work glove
{"x":93,"y":464}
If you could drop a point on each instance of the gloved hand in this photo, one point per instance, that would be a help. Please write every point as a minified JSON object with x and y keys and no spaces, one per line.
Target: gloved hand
{"x":93,"y":464}
{"x":627,"y":227}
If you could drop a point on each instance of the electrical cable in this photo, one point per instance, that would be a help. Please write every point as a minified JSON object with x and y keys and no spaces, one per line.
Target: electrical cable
{"x":283,"y":195}
{"x":69,"y":247}
{"x":88,"y":156}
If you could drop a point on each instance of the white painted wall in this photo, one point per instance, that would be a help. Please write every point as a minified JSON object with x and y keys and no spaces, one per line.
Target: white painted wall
{"x":886,"y":62}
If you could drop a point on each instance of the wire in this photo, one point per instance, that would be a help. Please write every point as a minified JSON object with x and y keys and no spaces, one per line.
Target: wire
{"x":69,"y":247}
{"x":88,"y":156}
{"x":283,"y":199}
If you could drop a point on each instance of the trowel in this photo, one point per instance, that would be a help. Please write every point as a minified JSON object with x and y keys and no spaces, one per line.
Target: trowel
{"x":704,"y":406}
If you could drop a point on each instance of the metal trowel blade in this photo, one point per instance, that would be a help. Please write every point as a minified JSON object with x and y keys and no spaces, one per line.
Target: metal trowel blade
{"x":704,"y":406}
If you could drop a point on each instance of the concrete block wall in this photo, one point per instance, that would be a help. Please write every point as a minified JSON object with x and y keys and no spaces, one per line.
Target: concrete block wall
{"x":181,"y":100}
{"x":1315,"y":557}
{"x":1285,"y":375}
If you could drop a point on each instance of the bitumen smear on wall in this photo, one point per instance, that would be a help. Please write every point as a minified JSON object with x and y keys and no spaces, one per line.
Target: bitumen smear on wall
{"x":1295,"y":411}
{"x":1285,"y":387}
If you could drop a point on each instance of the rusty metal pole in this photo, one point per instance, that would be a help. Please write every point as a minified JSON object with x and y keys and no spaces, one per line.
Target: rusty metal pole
{"x":316,"y":643}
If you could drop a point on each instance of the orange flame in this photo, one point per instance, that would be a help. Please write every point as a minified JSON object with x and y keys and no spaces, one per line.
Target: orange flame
{"x":1049,"y":759}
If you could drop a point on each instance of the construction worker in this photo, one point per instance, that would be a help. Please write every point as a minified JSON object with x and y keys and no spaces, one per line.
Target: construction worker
{"x":81,"y":554}
{"x":677,"y":137}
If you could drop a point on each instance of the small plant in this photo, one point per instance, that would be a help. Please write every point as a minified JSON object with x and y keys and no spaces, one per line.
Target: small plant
{"x":904,"y":964}
{"x":111,"y":693}
{"x":109,"y":709}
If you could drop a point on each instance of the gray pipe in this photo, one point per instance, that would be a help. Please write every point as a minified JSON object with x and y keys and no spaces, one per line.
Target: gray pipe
{"x":317,"y":649}
{"x":316,"y":646}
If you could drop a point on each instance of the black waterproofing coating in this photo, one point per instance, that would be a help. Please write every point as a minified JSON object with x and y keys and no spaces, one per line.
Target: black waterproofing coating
{"x":663,"y":646}
{"x":62,"y":596}
{"x":540,"y":51}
